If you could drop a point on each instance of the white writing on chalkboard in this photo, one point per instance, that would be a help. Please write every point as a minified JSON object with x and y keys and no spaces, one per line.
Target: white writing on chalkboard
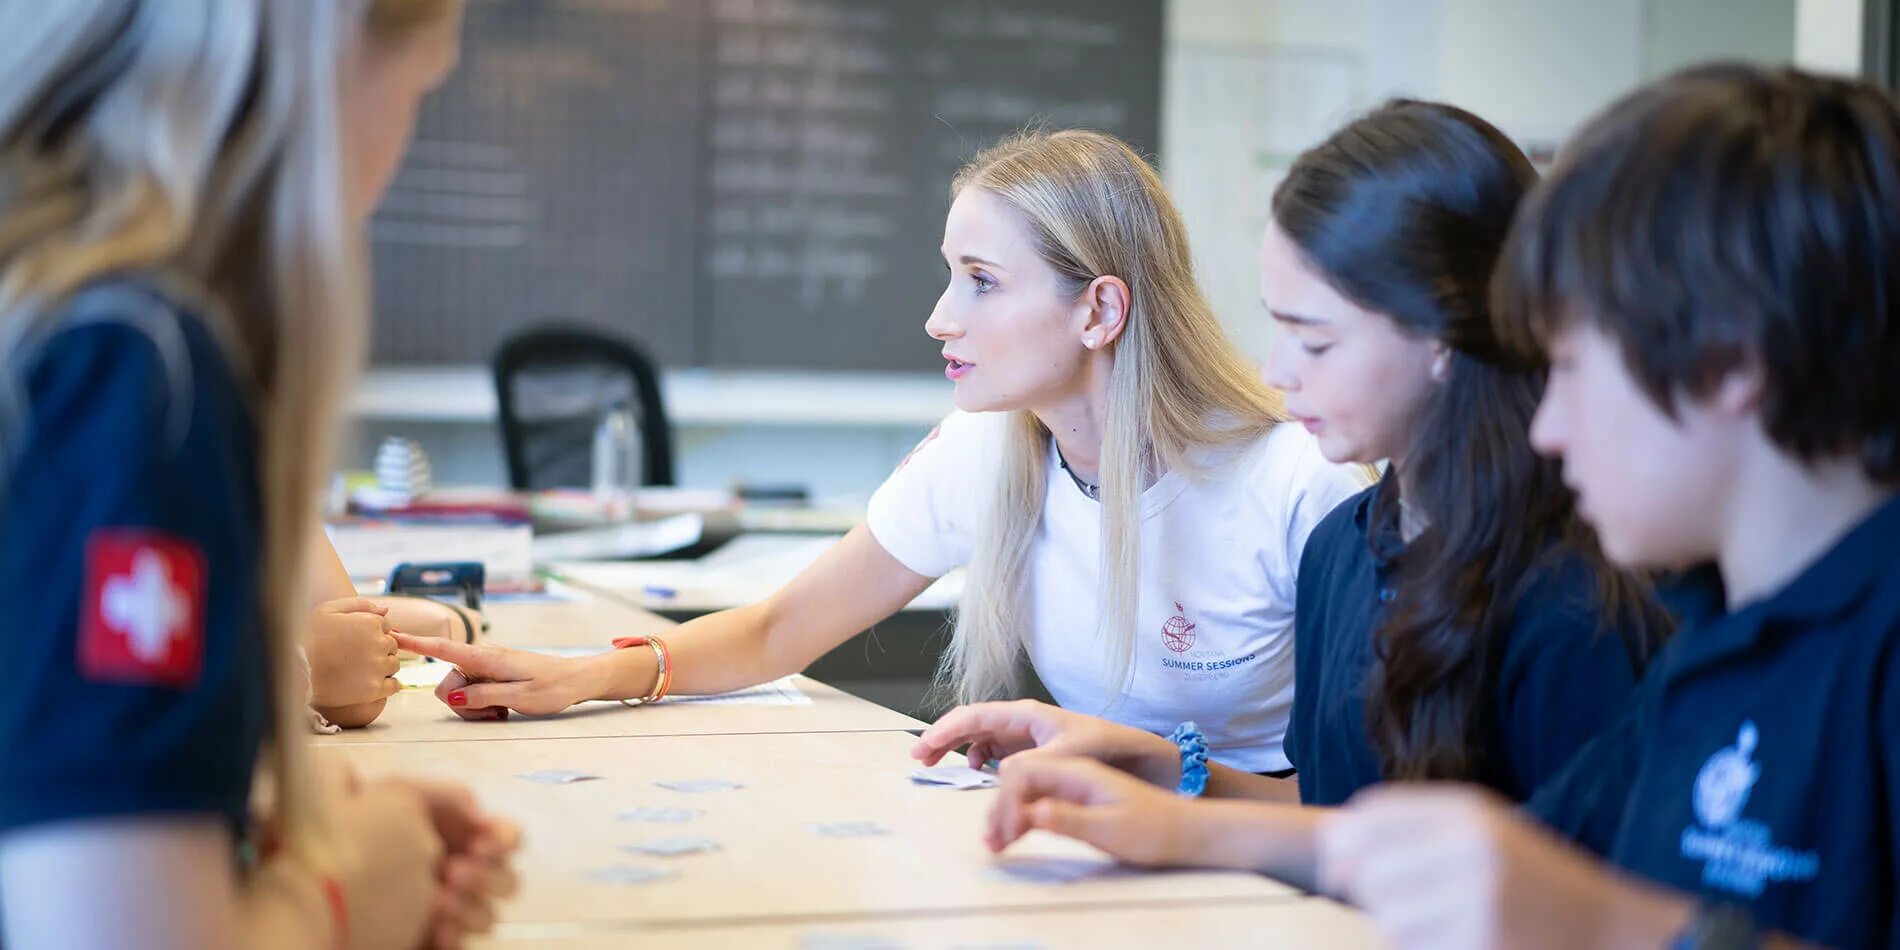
{"x":813,"y":13}
{"x":799,"y":217}
{"x":456,"y":195}
{"x":1029,"y":26}
{"x":813,"y":137}
{"x":998,"y":104}
{"x":784,"y":52}
{"x":819,"y":93}
{"x":802,"y":183}
{"x":733,"y":182}
{"x":758,"y":174}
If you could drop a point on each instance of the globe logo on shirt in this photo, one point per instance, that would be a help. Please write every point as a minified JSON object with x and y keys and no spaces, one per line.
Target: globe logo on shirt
{"x":1738,"y":855}
{"x":1178,"y":634}
{"x":1723,"y":785}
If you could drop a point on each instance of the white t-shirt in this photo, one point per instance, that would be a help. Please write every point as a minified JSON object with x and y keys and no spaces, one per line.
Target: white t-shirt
{"x":1219,"y":555}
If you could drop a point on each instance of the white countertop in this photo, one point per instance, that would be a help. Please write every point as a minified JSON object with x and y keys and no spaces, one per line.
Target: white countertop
{"x":694,"y":397}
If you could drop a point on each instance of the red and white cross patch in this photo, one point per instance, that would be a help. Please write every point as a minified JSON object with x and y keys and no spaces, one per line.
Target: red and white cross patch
{"x":142,"y":620}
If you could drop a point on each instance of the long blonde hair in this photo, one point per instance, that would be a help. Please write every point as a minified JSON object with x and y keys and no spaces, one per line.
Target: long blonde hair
{"x":1181,"y":397}
{"x":199,"y":142}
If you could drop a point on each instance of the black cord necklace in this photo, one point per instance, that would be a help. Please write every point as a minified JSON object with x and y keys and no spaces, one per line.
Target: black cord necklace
{"x":1093,"y":492}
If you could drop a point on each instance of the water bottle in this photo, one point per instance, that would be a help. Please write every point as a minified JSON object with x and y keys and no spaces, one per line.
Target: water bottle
{"x":616,"y":461}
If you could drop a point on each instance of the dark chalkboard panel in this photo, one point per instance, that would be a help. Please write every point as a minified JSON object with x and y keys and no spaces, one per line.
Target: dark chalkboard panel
{"x":730,"y":182}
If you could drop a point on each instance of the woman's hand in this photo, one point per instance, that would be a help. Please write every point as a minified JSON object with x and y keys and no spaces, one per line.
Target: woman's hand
{"x":489,"y":680}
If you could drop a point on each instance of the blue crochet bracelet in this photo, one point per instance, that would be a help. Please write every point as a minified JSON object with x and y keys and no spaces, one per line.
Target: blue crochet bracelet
{"x":1193,"y":759}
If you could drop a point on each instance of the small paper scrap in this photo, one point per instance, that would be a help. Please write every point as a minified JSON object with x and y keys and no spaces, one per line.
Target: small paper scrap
{"x":629,"y":874}
{"x":674,"y":847}
{"x":423,"y":675}
{"x":1052,"y":870}
{"x":696,"y":785}
{"x":661,"y":816}
{"x":557,"y":776}
{"x":960,"y":777}
{"x":849,"y":829}
{"x":779,"y":692}
{"x":836,"y":941}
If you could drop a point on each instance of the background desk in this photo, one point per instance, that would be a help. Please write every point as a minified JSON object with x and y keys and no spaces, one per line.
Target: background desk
{"x":771,"y":864}
{"x":744,"y":570}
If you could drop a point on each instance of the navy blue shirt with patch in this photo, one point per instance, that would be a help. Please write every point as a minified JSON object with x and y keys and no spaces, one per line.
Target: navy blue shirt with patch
{"x":1562,"y":678}
{"x":1760,"y":763}
{"x":129,"y":536}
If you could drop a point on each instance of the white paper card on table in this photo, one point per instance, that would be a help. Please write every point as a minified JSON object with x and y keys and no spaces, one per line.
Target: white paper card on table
{"x":836,"y":941}
{"x":849,"y":829}
{"x":660,"y":816}
{"x":960,"y":777}
{"x":698,"y":785}
{"x":1053,"y":870}
{"x":630,"y":874}
{"x":779,"y":692}
{"x":423,"y":675}
{"x":557,"y":776}
{"x":674,"y":847}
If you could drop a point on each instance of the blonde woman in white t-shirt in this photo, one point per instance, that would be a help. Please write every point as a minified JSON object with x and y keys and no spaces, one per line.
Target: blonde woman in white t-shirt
{"x":1117,"y":482}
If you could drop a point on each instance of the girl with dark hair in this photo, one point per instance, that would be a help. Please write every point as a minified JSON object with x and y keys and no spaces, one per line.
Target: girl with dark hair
{"x":1454,"y":621}
{"x":1500,"y":639}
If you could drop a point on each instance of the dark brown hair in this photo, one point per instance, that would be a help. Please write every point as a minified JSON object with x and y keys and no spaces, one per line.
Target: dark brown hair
{"x":1732,"y":216}
{"x":1404,"y":211}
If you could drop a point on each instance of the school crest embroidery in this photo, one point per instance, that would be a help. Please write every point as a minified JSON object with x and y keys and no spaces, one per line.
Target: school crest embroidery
{"x":1722,"y":787}
{"x":1736,"y":854}
{"x":1178,"y":633}
{"x":919,"y":447}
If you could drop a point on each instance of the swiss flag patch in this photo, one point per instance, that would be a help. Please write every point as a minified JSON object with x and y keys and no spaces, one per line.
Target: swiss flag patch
{"x":142,"y":620}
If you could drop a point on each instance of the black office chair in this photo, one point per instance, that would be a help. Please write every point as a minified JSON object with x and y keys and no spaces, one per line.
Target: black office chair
{"x":553,"y":384}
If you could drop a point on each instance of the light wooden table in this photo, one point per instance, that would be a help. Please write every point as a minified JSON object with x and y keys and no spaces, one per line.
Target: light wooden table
{"x":771,"y":863}
{"x":774,"y":881}
{"x":1290,"y":923}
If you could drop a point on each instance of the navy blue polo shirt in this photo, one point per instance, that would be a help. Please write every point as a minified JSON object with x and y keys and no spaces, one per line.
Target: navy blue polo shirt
{"x":1562,"y":678}
{"x":1760,"y":764}
{"x":129,"y":536}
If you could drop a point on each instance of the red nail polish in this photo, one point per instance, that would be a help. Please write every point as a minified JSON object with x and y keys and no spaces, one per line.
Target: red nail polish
{"x":458,"y":698}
